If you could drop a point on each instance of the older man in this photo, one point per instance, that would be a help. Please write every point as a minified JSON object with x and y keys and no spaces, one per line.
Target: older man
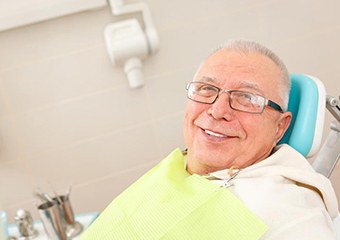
{"x":237,"y":126}
{"x":233,"y":181}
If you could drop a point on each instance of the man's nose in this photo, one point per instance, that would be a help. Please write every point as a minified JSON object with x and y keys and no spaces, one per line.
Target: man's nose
{"x":221,"y":107}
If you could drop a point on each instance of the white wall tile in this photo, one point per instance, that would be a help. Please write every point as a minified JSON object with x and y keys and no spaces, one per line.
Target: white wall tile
{"x":108,"y":154}
{"x":52,"y":38}
{"x":186,"y":44}
{"x":73,"y":121}
{"x":169,"y":131}
{"x":168,"y":90}
{"x":280,"y":20}
{"x":15,"y":183}
{"x":42,"y":84}
{"x":331,"y":79}
{"x":177,"y":13}
{"x":3,"y":103}
{"x":8,"y":142}
{"x":309,"y":54}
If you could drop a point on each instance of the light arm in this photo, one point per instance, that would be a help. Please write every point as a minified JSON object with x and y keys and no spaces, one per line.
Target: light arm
{"x":330,"y":152}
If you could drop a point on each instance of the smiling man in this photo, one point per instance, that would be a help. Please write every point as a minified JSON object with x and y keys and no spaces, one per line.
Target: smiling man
{"x":235,"y":126}
{"x":234,"y":181}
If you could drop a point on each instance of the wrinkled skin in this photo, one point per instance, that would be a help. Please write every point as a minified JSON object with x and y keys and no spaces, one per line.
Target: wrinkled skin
{"x":218,"y":137}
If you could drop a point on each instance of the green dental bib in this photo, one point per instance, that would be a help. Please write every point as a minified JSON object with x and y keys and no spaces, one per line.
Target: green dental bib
{"x":170,"y":204}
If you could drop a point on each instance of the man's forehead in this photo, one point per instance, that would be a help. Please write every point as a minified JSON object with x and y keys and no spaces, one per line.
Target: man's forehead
{"x":243,"y":83}
{"x":253,"y":70}
{"x":239,"y":62}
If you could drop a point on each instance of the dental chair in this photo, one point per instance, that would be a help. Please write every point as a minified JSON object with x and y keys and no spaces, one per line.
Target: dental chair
{"x":307,"y":102}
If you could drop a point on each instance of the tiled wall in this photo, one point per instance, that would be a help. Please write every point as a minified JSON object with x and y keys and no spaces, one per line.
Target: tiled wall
{"x":68,"y":117}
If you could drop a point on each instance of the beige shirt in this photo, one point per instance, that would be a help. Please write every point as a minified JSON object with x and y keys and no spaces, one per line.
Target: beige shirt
{"x":287,"y":194}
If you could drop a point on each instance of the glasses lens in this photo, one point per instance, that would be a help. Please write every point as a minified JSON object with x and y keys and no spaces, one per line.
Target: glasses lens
{"x":247,"y":102}
{"x":202,"y":92}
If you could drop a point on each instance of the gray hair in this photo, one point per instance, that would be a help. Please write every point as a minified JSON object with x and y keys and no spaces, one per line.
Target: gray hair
{"x":246,"y":47}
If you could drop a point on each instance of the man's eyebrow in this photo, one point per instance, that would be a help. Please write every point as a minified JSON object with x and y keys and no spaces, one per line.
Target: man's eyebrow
{"x":241,"y":84}
{"x":251,"y":85}
{"x":208,"y":79}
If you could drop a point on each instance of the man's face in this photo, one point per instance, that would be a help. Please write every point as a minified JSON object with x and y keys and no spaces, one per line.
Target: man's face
{"x":219,"y":137}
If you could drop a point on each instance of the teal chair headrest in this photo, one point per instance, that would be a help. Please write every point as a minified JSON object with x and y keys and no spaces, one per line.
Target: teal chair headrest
{"x":307,"y":100}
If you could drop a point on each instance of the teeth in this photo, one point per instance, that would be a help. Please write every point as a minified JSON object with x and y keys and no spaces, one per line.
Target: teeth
{"x":213,"y":133}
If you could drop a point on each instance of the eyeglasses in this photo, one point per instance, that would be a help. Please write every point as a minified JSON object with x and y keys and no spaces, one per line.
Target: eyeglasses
{"x":238,"y":100}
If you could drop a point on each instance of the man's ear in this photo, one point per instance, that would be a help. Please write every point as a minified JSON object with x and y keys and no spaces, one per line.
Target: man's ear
{"x":283,"y":125}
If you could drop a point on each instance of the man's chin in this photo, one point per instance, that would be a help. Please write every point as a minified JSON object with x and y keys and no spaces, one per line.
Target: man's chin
{"x":205,"y":162}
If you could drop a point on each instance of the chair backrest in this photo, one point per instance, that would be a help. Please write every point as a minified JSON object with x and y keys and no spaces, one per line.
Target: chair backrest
{"x":307,"y":102}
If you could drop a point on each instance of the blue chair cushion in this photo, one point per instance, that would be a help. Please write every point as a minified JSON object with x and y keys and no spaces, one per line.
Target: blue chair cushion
{"x":303,"y":103}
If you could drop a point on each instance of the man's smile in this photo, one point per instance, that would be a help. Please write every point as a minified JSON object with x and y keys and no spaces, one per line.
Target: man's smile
{"x":214,"y":134}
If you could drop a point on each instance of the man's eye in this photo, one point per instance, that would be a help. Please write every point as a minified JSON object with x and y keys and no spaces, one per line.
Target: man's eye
{"x":208,"y":88}
{"x":249,"y":97}
{"x":246,"y":98}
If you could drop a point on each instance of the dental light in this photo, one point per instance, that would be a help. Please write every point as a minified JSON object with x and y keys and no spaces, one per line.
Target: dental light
{"x":126,"y":42}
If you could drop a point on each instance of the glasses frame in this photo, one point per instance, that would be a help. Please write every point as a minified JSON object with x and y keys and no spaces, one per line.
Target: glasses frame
{"x":267,"y":102}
